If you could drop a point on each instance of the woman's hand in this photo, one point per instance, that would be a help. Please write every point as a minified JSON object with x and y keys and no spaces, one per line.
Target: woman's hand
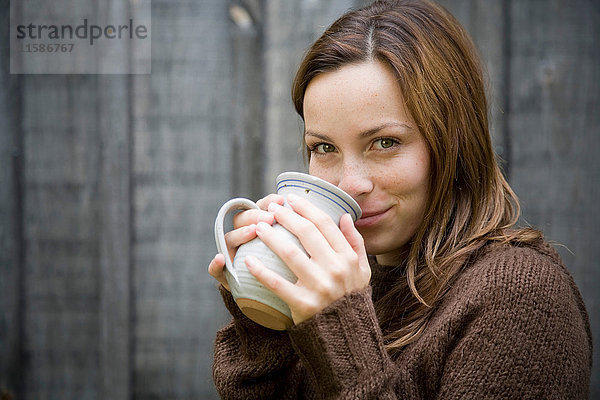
{"x":244,"y":230}
{"x":336,"y":264}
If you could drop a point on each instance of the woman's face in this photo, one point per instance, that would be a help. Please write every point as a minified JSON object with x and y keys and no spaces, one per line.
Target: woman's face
{"x":362,"y":139}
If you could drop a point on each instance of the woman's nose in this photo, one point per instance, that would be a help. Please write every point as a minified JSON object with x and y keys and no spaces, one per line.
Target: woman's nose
{"x":355,"y":180}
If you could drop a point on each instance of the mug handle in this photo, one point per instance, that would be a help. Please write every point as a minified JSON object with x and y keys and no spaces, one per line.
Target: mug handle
{"x":233,"y":204}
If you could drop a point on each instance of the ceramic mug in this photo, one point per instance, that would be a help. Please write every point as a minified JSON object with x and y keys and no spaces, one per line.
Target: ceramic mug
{"x":256,"y":301}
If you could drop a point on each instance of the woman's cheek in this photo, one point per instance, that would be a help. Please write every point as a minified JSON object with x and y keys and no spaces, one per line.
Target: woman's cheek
{"x":321,"y":170}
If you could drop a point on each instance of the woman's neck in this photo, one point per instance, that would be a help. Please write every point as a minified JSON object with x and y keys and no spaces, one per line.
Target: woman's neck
{"x":393,"y":258}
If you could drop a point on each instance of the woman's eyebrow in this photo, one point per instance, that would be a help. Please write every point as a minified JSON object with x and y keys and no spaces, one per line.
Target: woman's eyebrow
{"x":376,"y":129}
{"x":317,"y":135}
{"x":366,"y":133}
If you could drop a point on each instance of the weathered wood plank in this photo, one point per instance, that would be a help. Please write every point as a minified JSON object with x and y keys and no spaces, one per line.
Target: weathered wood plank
{"x":555,"y":130}
{"x":114,"y":238}
{"x":182,"y":172}
{"x":114,"y":233}
{"x":76,"y":286}
{"x":61,"y":295}
{"x":247,"y":103}
{"x":11,"y":157}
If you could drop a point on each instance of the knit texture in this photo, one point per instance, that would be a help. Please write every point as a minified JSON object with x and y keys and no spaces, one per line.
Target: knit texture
{"x":511,"y":326}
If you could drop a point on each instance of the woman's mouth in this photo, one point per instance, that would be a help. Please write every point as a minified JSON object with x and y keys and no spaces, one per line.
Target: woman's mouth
{"x":371,"y":218}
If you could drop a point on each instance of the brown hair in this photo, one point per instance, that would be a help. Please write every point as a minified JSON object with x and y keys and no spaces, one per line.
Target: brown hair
{"x":441,"y":79}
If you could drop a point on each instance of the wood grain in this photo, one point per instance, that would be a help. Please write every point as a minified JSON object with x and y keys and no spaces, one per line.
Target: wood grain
{"x":555,"y":130}
{"x":110,"y":184}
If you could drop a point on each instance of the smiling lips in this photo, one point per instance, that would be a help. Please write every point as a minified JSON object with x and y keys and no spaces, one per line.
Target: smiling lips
{"x":371,"y":218}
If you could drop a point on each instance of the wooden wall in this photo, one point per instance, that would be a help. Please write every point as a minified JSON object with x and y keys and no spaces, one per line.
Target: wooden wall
{"x":109,"y":184}
{"x":543,"y":60}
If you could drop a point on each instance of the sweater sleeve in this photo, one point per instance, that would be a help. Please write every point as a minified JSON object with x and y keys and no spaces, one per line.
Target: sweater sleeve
{"x":523,"y":335}
{"x":253,"y":362}
{"x":343,"y":352}
{"x":512,"y":328}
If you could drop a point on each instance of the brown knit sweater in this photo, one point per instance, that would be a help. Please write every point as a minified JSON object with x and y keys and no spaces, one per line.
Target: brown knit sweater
{"x":512,"y":326}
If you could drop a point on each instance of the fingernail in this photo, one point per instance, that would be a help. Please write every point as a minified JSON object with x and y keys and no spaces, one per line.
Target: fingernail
{"x":261,"y":226}
{"x":265,"y":216}
{"x":292,"y":198}
{"x":250,"y":262}
{"x":250,"y":228}
{"x":273,"y":207}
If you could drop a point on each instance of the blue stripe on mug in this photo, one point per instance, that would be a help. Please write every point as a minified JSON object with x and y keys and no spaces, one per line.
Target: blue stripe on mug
{"x":283,"y":184}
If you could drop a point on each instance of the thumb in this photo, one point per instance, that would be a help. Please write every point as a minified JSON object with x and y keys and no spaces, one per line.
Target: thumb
{"x":355,"y":239}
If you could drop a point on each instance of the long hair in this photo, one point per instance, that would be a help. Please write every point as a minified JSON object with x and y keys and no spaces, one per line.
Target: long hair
{"x":470,"y":202}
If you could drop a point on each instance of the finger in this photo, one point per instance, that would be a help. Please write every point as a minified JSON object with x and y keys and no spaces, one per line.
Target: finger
{"x":250,"y":217}
{"x":306,"y":231}
{"x":255,"y":216}
{"x":355,"y":240}
{"x":272,"y":198}
{"x":324,"y":223}
{"x":353,"y":236}
{"x":216,"y":269}
{"x":239,"y":236}
{"x":310,"y":237}
{"x":283,"y":288}
{"x":289,"y":252}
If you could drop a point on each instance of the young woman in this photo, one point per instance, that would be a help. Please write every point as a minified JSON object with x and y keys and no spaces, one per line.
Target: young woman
{"x":433,"y":293}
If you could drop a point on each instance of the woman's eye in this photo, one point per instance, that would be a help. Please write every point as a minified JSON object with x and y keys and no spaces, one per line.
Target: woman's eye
{"x":385,"y":143}
{"x":322,"y":148}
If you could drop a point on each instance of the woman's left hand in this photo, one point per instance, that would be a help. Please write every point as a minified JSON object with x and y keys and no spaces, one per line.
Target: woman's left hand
{"x":336,"y":263}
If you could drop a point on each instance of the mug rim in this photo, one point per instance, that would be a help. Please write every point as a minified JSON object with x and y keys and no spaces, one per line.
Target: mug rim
{"x":323,"y":184}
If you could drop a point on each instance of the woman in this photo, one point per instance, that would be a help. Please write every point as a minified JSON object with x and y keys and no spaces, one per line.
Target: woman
{"x":433,"y":293}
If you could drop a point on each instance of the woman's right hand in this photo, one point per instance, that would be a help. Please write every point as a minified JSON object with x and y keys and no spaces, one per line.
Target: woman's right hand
{"x":244,"y":230}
